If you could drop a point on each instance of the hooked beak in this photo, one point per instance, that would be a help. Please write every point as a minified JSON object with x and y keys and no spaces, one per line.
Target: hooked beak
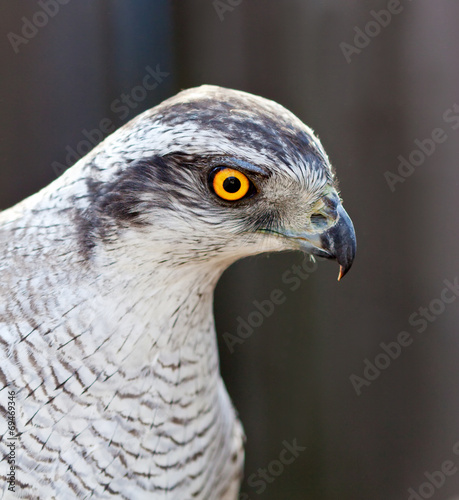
{"x":337,"y":242}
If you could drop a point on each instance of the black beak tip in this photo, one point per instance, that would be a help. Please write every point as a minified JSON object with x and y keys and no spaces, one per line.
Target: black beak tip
{"x":343,"y":270}
{"x":342,"y":242}
{"x":346,"y":254}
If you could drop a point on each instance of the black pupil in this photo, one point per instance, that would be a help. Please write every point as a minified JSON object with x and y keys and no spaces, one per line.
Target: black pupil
{"x":231,"y":184}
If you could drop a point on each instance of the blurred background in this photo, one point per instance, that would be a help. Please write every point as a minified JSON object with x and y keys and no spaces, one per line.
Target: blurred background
{"x":379,"y":82}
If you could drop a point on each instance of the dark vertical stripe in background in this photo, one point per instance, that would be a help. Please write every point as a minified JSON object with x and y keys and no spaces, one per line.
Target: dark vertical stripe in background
{"x":71,"y":75}
{"x":290,"y":378}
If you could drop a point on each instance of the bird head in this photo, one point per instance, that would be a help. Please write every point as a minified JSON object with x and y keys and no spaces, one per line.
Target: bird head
{"x":214,"y":174}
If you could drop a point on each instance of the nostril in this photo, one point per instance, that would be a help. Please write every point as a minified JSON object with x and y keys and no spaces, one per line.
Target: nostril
{"x":319,"y":220}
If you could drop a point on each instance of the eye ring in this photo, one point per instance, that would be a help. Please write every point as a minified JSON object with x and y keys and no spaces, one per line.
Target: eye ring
{"x":230,"y":184}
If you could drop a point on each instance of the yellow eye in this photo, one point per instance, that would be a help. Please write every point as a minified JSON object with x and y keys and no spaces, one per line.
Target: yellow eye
{"x":230,"y":184}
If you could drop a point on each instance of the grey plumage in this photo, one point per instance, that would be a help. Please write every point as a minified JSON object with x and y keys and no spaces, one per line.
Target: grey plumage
{"x":107,"y":279}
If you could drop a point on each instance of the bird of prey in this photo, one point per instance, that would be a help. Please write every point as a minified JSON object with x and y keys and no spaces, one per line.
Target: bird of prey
{"x":108,"y":348}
